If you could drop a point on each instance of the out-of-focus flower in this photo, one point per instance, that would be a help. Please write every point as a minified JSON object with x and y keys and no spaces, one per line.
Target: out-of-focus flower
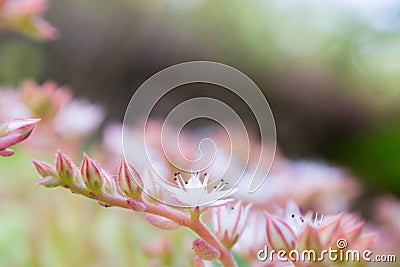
{"x":25,"y":16}
{"x":229,"y":222}
{"x":293,"y":230}
{"x":195,"y":192}
{"x":14,"y":132}
{"x":311,"y":184}
{"x":66,"y":121}
{"x":45,"y":100}
{"x":78,"y":118}
{"x":387,"y":220}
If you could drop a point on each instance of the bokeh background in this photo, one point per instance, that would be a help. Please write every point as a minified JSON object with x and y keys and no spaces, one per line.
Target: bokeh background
{"x":329,"y":69}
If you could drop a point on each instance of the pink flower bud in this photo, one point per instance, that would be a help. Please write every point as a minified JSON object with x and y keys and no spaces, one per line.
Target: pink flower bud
{"x":45,"y":169}
{"x":92,"y":175}
{"x":161,"y":222}
{"x":19,"y":126}
{"x":280,"y":235}
{"x":205,"y":250}
{"x":198,"y":262}
{"x":65,"y":168}
{"x":49,"y":181}
{"x":128,"y":179}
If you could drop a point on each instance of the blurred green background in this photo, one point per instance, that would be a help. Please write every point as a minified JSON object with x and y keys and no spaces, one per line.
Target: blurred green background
{"x":330,"y":69}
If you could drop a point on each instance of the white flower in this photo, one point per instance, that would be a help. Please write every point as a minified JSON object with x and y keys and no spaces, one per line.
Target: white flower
{"x":229,"y":222}
{"x":194,"y":192}
{"x":79,"y":118}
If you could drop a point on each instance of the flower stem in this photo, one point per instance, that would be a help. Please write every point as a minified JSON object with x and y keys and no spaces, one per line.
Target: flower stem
{"x":183,"y":219}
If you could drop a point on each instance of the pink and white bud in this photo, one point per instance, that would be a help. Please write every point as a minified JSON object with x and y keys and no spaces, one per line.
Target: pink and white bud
{"x":128,"y":179}
{"x":161,"y":222}
{"x":49,"y":181}
{"x":92,"y":175}
{"x":45,"y":169}
{"x":23,"y":127}
{"x":279,"y":234}
{"x":65,"y":167}
{"x":205,"y":250}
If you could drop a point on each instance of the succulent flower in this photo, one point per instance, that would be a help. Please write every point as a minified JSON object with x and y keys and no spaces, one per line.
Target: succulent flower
{"x":229,"y":222}
{"x":293,"y":230}
{"x":194,"y":192}
{"x":44,"y":100}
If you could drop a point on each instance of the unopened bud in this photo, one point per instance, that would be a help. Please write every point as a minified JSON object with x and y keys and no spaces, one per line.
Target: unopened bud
{"x":92,"y":175}
{"x":205,"y":250}
{"x":161,"y":222}
{"x":45,"y":169}
{"x":19,"y":126}
{"x":65,"y":168}
{"x":128,"y":179}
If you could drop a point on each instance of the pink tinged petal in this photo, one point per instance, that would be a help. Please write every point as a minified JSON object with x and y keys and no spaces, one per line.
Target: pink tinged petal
{"x":49,"y":181}
{"x":92,"y":175}
{"x":45,"y":169}
{"x":328,"y":231}
{"x":279,"y":233}
{"x":65,"y":167}
{"x":353,"y":232}
{"x":365,"y":242}
{"x":205,"y":250}
{"x":127,"y":180}
{"x":161,"y":222}
{"x":6,"y":152}
{"x":309,"y":239}
{"x":198,"y":262}
{"x":21,"y":126}
{"x":10,"y":140}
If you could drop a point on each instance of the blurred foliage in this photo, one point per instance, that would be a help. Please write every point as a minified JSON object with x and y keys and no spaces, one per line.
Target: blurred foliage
{"x":20,"y":60}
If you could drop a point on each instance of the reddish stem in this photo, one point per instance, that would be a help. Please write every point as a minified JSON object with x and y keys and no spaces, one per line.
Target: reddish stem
{"x":184,"y":219}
